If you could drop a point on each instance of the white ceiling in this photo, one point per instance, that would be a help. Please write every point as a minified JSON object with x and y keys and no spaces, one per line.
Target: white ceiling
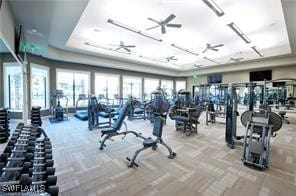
{"x":58,"y":23}
{"x":261,"y":20}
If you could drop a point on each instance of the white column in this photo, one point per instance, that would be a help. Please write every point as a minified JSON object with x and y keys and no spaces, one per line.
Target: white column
{"x":25,"y":90}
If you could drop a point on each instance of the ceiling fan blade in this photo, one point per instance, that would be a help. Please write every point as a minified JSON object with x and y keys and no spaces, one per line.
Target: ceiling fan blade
{"x":163,"y":31}
{"x":220,"y":45}
{"x":205,"y":50}
{"x":152,"y":27}
{"x":153,"y":20}
{"x":127,"y":49}
{"x":168,"y":19}
{"x":117,"y":48}
{"x":174,"y":25}
{"x":130,"y":46}
{"x":215,"y":49}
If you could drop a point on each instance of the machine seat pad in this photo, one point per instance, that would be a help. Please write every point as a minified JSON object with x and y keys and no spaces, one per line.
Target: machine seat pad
{"x":105,"y":114}
{"x":108,"y":130}
{"x":282,"y":113}
{"x":138,"y":111}
{"x":149,"y":142}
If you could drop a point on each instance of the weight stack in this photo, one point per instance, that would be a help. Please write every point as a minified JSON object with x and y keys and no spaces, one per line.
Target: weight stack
{"x":36,"y":116}
{"x":4,"y":125}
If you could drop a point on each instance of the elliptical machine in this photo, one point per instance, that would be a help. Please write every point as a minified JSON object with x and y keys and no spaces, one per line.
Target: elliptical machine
{"x":58,"y":112}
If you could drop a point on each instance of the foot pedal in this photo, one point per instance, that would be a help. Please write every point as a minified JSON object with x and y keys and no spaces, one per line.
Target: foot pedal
{"x":103,"y":144}
{"x":130,"y":164}
{"x":173,"y":155}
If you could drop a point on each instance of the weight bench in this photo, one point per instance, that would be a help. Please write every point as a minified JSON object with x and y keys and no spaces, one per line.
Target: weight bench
{"x":115,"y":128}
{"x":151,"y":143}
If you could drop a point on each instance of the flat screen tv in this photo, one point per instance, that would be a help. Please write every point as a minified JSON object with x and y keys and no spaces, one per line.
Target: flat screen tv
{"x":260,"y":75}
{"x":214,"y":79}
{"x":278,"y":84}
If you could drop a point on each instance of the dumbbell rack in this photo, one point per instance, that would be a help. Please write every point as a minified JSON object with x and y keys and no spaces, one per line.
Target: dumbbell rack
{"x":28,"y":156}
{"x":36,"y":116}
{"x":4,"y":125}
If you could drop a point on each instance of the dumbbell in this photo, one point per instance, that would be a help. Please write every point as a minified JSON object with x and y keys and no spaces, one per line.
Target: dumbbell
{"x":53,"y":190}
{"x":15,"y":149}
{"x":23,"y":180}
{"x":44,"y":180}
{"x":16,"y":157}
{"x":40,"y":173}
{"x":15,"y":166}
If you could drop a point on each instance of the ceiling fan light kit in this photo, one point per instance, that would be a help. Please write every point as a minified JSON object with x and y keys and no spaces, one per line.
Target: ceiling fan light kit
{"x":213,"y":6}
{"x":183,"y":49}
{"x":132,"y":29}
{"x":164,"y":23}
{"x":235,"y":28}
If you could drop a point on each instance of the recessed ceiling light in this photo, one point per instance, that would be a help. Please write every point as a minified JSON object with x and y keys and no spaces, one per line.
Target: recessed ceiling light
{"x":97,"y":30}
{"x":34,"y":30}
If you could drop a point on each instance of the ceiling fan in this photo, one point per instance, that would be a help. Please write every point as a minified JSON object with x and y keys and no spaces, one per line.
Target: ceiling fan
{"x":235,"y":59}
{"x":164,"y":23}
{"x":171,"y":58}
{"x":214,"y":48}
{"x":123,"y":46}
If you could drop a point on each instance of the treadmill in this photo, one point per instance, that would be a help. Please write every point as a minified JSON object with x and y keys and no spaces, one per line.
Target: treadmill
{"x":81,"y":114}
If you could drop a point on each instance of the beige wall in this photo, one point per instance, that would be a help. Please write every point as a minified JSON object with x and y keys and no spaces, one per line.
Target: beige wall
{"x":243,"y":76}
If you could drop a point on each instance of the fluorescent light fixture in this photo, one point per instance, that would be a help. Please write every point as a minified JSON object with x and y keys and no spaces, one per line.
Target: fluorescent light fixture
{"x":211,"y":60}
{"x":211,"y":4}
{"x":132,"y":29}
{"x":104,"y":48}
{"x":235,"y":28}
{"x":183,"y":49}
{"x":152,"y":59}
{"x":257,"y":51}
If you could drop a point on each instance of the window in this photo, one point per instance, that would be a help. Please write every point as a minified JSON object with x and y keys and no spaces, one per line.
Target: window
{"x":73,"y":84}
{"x":107,"y":85}
{"x":168,"y":87}
{"x":150,"y":85}
{"x":39,"y":86}
{"x":180,"y":85}
{"x":13,"y":86}
{"x":132,"y":86}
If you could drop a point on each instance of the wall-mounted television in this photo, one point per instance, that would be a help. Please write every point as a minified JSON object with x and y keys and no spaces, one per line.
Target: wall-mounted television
{"x":278,"y":84}
{"x":260,"y":75}
{"x":214,"y":79}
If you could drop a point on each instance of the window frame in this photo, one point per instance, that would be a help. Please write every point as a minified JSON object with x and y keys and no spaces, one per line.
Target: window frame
{"x":6,"y":102}
{"x":73,"y":72}
{"x":180,"y":81}
{"x":158,"y":85}
{"x":47,"y":82}
{"x":134,"y":77}
{"x":107,"y":75}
